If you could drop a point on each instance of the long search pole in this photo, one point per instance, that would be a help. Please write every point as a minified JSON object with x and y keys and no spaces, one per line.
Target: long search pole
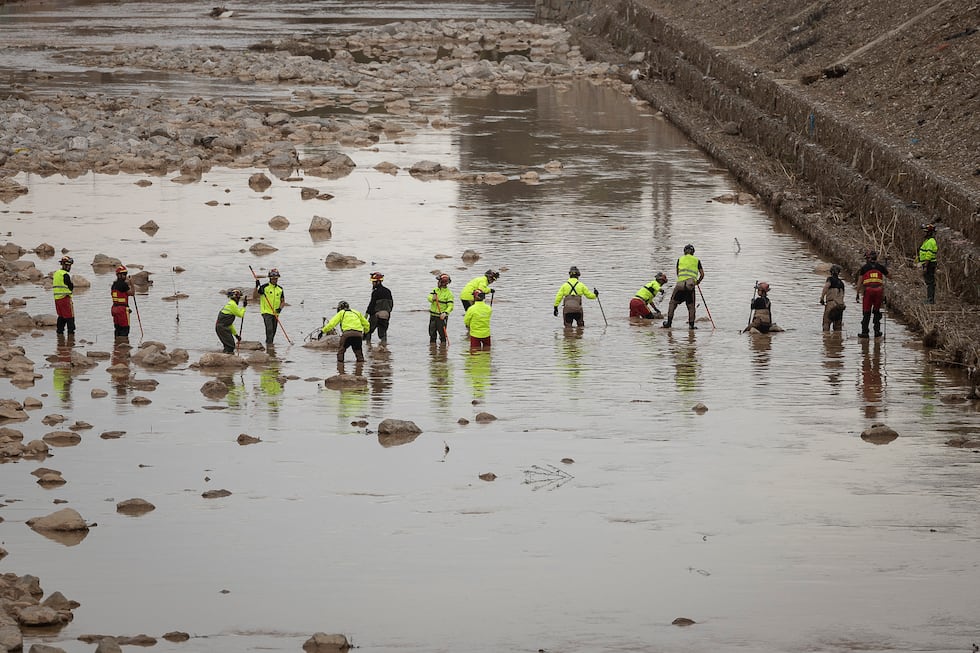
{"x":138,"y":320}
{"x":274,"y":314}
{"x":600,"y":307}
{"x":706,"y":306}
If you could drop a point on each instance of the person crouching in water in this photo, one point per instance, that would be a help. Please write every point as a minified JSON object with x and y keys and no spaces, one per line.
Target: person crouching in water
{"x":224,"y":326}
{"x":121,"y":291}
{"x":643,"y":299}
{"x":761,"y":321}
{"x":477,"y":320}
{"x":353,"y":326}
{"x":832,"y":299}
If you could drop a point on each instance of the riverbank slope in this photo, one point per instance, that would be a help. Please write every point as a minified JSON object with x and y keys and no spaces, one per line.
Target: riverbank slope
{"x":855,"y":121}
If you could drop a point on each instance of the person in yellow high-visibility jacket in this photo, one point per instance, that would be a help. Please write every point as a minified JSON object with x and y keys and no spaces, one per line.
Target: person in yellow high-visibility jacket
{"x":689,"y":275}
{"x":271,"y":300}
{"x":481,"y":282}
{"x":928,"y":252}
{"x":353,"y":326}
{"x":570,"y":296}
{"x":224,"y":325}
{"x":62,"y":287}
{"x":477,"y":320}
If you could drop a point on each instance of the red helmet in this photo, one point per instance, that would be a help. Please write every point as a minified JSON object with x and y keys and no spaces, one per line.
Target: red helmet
{"x":661,"y":278}
{"x":66,"y":260}
{"x":377,"y":276}
{"x":122,"y":270}
{"x":928,"y":228}
{"x":274,"y":272}
{"x":443,"y":280}
{"x":763,"y":287}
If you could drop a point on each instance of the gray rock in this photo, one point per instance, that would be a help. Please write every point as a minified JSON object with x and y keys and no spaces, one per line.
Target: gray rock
{"x":64,"y":520}
{"x":324,"y":643}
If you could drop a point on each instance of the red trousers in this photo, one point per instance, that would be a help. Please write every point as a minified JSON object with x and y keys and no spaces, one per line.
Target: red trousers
{"x":872,"y":298}
{"x":479,"y":343}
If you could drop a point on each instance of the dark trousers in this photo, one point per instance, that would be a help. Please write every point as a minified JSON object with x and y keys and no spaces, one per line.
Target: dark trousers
{"x":226,"y":337}
{"x":437,"y":328}
{"x":271,"y":324}
{"x":65,"y":322}
{"x":578,"y":317}
{"x":929,"y":276}
{"x":353,"y":340}
{"x":379,"y":324}
{"x":683,"y":292}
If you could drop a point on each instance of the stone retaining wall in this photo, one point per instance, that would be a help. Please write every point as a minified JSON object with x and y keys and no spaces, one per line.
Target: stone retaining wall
{"x":883,"y":187}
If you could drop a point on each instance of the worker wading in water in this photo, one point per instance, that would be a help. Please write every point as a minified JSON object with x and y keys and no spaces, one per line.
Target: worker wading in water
{"x":477,"y":320}
{"x":271,"y":300}
{"x":832,"y":299}
{"x":871,"y":284}
{"x":224,"y":326}
{"x":640,"y":305}
{"x":121,"y":291}
{"x":62,"y":287}
{"x":353,"y":326}
{"x":570,"y":296}
{"x":689,"y":275}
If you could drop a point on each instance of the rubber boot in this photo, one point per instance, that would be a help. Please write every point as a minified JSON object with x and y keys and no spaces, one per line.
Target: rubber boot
{"x":691,"y":325}
{"x":666,"y":324}
{"x":865,"y":322}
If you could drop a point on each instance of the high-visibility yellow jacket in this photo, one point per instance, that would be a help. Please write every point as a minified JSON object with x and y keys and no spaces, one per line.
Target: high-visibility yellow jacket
{"x":477,"y":319}
{"x":688,"y":267}
{"x":648,"y":292}
{"x":229,"y":312}
{"x":928,"y":250}
{"x":61,"y":284}
{"x":349,"y":320}
{"x":441,"y":301}
{"x":575,"y":288}
{"x":271,"y":298}
{"x":479,"y":282}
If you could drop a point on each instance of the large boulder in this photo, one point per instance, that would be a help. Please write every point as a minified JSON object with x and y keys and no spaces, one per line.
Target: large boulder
{"x":214,"y":359}
{"x":64,"y":520}
{"x":319,"y":224}
{"x":338,"y":261}
{"x":346,"y":381}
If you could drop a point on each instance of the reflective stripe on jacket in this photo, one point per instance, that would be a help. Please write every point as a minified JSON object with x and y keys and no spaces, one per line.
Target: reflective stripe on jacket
{"x":349,"y":320}
{"x":440,"y":301}
{"x":687,"y":268}
{"x":59,"y":284}
{"x":270,"y":298}
{"x":648,"y":292}
{"x":928,"y":250}
{"x":477,"y":318}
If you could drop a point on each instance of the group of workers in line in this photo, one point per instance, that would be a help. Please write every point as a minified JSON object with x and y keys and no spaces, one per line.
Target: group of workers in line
{"x":356,"y":327}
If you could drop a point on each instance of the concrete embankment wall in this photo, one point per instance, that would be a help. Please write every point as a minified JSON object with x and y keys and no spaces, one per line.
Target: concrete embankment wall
{"x":887,"y":192}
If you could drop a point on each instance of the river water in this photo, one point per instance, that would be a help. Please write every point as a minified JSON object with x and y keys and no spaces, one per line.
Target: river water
{"x":767,"y":519}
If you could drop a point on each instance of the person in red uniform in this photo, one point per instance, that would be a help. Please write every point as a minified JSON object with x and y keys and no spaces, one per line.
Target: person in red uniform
{"x":871,"y":283}
{"x":121,"y":291}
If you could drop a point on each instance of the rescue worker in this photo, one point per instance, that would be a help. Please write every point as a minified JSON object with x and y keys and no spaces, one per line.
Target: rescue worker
{"x":871,"y":283}
{"x":224,"y":326}
{"x":643,"y":299}
{"x":761,"y":321}
{"x":570,"y":297}
{"x":440,"y":306}
{"x":689,"y":276}
{"x":62,"y":287}
{"x":927,"y":259}
{"x":477,"y":320}
{"x":271,"y":300}
{"x":832,"y":299}
{"x":121,"y":291}
{"x":353,"y":326}
{"x":379,"y":308}
{"x":481,"y":282}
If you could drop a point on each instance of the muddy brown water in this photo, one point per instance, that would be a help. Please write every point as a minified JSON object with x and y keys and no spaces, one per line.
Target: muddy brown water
{"x":767,"y":519}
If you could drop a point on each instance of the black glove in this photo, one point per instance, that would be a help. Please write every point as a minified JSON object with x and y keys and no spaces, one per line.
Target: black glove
{"x":319,"y":336}
{"x":884,"y":300}
{"x":822,"y":302}
{"x":278,"y":311}
{"x":238,"y":337}
{"x":257,"y":283}
{"x":556,"y":311}
{"x":595,"y":292}
{"x":244,"y":302}
{"x":492,"y":291}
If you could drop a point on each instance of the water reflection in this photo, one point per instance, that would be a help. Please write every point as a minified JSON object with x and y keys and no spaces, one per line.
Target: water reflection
{"x":380,"y":375}
{"x":440,"y":376}
{"x":271,"y":385}
{"x":761,"y":344}
{"x":61,"y":377}
{"x":477,"y":370}
{"x":872,"y":380}
{"x":686,"y":366}
{"x":833,"y":360}
{"x":570,"y":354}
